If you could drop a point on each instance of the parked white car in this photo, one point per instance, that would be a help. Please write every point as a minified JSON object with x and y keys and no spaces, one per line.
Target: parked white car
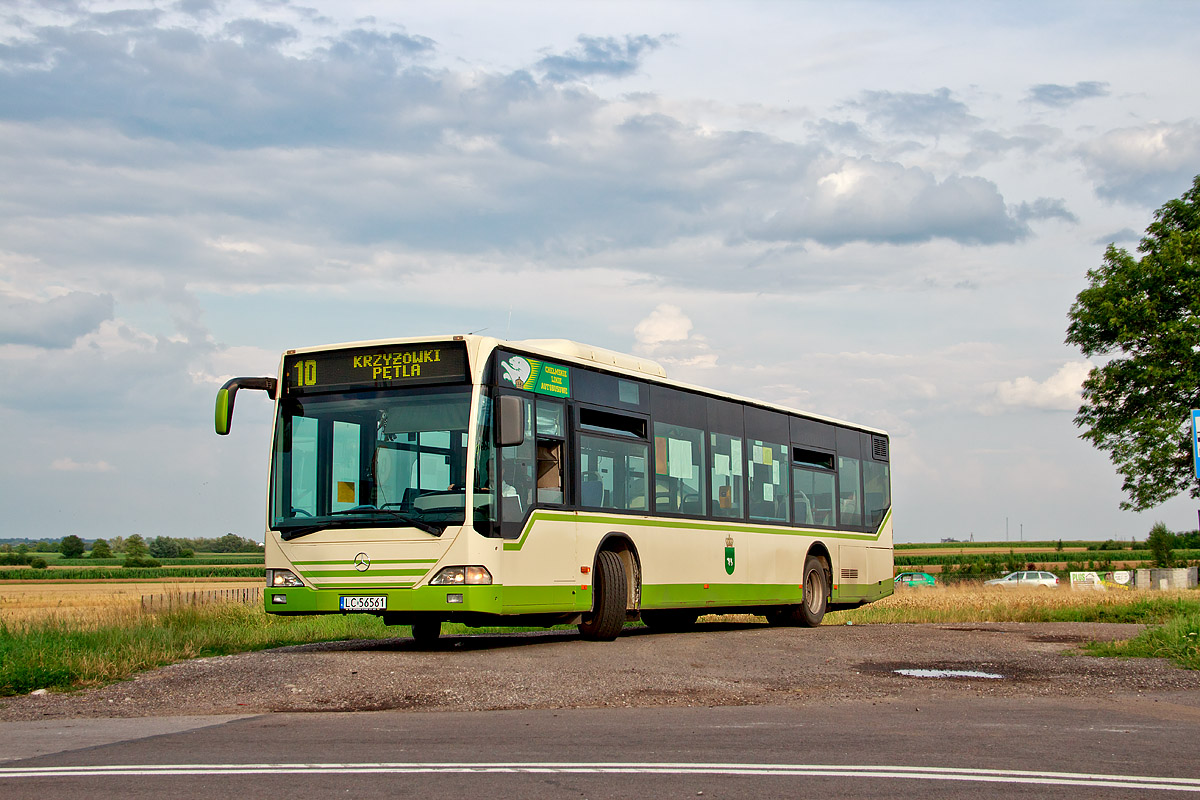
{"x":1029,"y":578}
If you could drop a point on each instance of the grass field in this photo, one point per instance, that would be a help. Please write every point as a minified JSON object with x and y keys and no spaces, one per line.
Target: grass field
{"x":86,"y":637}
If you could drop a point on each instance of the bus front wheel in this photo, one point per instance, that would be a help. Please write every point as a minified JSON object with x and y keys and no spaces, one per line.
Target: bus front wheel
{"x":607,"y":617}
{"x":426,"y":631}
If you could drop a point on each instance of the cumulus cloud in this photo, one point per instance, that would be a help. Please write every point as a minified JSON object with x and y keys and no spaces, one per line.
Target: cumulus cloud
{"x":1147,"y":164}
{"x":665,"y":335}
{"x":604,"y":56}
{"x":55,"y":323}
{"x":1044,"y":208}
{"x":1117,"y":237}
{"x":929,"y":114}
{"x":867,"y":200}
{"x":1062,"y":391}
{"x":1059,"y":96}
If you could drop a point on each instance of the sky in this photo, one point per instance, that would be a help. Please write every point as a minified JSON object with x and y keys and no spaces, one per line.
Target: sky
{"x":879,"y":212}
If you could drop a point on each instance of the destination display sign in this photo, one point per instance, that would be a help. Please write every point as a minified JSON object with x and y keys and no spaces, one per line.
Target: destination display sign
{"x":440,"y":362}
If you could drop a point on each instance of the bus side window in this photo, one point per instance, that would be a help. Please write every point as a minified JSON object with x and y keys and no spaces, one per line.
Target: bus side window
{"x":549,"y":472}
{"x":551,"y":430}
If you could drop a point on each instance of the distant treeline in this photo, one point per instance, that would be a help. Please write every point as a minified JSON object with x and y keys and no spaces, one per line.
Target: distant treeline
{"x":136,"y":551}
{"x":1042,"y":557}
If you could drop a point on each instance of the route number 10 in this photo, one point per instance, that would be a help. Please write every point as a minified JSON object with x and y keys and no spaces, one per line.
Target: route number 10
{"x":306,"y":373}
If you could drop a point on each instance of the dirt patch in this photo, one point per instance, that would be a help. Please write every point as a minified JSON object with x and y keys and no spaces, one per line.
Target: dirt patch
{"x":718,"y":664}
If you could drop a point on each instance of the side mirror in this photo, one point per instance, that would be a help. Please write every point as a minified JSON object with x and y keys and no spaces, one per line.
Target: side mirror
{"x":223,"y":416}
{"x":510,"y":421}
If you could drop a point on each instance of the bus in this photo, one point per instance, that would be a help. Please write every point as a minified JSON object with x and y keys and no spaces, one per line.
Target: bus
{"x":547,"y":482}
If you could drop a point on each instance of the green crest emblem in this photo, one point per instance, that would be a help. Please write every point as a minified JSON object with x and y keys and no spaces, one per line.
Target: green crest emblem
{"x":729,"y":562}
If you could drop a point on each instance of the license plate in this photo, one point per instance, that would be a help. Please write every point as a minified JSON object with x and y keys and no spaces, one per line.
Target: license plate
{"x":359,"y":603}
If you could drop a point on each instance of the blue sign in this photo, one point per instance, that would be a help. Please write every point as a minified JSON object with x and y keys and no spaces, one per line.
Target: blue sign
{"x":1196,"y":442}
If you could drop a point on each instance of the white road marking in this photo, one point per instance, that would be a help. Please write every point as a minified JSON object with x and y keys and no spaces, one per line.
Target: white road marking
{"x":783,"y":770}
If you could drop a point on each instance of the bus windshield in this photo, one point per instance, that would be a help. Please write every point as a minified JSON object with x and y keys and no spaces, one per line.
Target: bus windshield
{"x":394,"y":458}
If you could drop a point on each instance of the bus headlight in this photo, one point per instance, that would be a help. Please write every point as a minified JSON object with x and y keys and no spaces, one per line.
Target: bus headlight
{"x":460,"y":576}
{"x":282,"y":577}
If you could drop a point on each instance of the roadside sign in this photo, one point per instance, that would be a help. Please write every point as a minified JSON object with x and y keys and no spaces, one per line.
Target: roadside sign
{"x":1196,"y":442}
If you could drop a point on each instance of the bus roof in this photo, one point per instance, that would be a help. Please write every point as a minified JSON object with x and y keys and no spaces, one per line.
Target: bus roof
{"x":591,"y":356}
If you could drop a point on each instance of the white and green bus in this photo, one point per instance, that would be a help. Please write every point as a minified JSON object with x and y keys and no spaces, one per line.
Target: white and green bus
{"x":547,"y":482}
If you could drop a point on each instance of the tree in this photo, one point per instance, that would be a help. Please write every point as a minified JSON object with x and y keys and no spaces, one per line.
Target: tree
{"x":135,"y":546}
{"x":1145,"y":314}
{"x":71,"y":546}
{"x":1160,"y":542}
{"x":164,"y":547}
{"x":232,"y":543}
{"x":100,"y":549}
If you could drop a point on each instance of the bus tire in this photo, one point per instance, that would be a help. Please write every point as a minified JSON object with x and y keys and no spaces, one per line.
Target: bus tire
{"x":816,"y":594}
{"x":607,"y":616}
{"x":426,"y":631}
{"x":670,"y":620}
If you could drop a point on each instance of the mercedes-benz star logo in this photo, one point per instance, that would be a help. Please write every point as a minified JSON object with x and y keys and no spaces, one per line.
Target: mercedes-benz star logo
{"x":362,"y":562}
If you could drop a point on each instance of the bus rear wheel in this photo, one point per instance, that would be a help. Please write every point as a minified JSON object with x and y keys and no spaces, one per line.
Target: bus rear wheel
{"x":607,"y":617}
{"x":812,"y":607}
{"x":670,"y":620}
{"x":816,"y":594}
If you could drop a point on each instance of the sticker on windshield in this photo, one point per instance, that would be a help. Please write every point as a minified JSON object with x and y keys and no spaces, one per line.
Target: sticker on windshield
{"x":537,"y":376}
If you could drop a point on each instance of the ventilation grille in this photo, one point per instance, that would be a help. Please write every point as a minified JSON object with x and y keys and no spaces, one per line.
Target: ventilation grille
{"x":879,"y":448}
{"x":849,"y":574}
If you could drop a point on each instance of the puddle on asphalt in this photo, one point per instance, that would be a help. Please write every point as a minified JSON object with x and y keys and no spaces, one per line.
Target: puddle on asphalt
{"x":947,"y":673}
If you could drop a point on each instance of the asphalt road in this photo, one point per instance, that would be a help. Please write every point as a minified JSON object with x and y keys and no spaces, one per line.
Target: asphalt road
{"x":989,"y":747}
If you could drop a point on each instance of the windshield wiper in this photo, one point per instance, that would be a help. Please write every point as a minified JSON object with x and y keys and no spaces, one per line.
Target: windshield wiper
{"x":419,"y":524}
{"x":289,"y":532}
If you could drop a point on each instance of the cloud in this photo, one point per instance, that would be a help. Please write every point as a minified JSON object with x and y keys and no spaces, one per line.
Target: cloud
{"x":665,"y":335}
{"x":68,"y":464}
{"x":604,"y":56}
{"x":930,"y":114}
{"x":1062,"y":391}
{"x":1148,"y":164}
{"x":866,"y":200}
{"x":235,"y":87}
{"x":1057,"y":96}
{"x":1117,"y":237}
{"x":54,"y":323}
{"x":1044,"y":208}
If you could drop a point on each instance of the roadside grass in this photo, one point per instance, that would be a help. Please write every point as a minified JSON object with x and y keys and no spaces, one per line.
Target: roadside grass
{"x":63,"y":654}
{"x":1178,"y":639}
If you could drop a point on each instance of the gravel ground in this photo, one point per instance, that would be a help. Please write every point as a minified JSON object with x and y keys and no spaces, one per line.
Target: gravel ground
{"x":717,"y":664}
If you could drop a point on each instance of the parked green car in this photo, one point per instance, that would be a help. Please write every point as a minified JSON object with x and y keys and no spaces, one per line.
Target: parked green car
{"x":915,"y":579}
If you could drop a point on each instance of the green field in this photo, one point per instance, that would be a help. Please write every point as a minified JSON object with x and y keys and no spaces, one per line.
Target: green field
{"x":131,"y":574}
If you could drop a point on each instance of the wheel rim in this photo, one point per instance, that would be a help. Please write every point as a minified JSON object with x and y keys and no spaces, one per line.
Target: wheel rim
{"x":812,"y":591}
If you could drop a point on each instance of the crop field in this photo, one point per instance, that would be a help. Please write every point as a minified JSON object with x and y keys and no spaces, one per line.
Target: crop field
{"x":91,"y":603}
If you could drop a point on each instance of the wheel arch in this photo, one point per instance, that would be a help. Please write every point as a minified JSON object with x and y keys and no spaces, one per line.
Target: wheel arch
{"x":820,"y":551}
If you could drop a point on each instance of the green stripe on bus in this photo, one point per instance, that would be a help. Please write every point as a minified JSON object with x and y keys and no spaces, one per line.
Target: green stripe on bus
{"x":704,"y":525}
{"x":379,"y":561}
{"x":699,"y":595}
{"x":350,"y":573}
